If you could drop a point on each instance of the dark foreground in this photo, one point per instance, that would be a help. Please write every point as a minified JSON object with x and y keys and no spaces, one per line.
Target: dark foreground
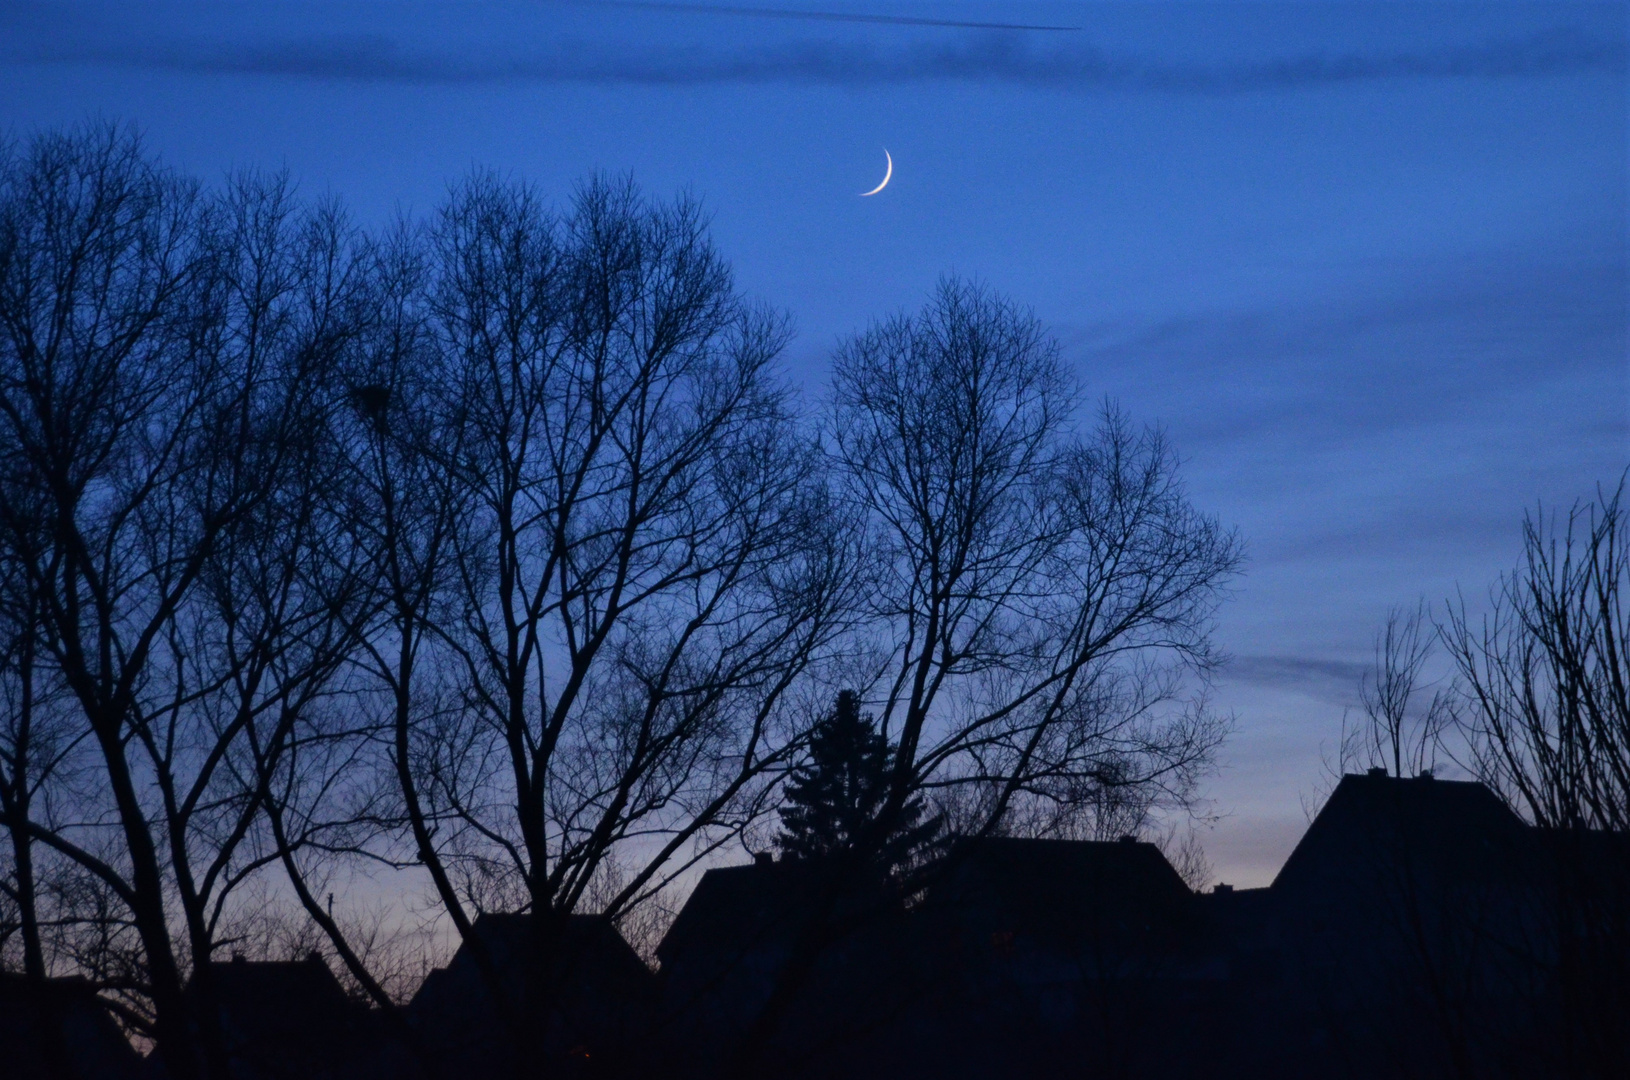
{"x":1419,"y":929}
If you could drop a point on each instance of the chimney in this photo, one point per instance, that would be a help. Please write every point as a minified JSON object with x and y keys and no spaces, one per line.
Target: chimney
{"x":1129,"y":839}
{"x":1221,"y":888}
{"x":1378,"y":770}
{"x":763,"y":858}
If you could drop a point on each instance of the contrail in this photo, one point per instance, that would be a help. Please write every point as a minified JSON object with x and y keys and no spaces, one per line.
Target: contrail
{"x":815,"y":16}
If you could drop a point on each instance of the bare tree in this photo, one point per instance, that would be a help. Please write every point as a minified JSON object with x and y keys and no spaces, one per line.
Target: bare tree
{"x":28,"y":757}
{"x":96,"y":250}
{"x":35,"y":748}
{"x":495,"y":550}
{"x":1398,"y":732}
{"x":1545,"y":676}
{"x":1043,"y":597}
{"x":633,"y":574}
{"x":1045,"y":592}
{"x":161,"y":371}
{"x":1543,"y":708}
{"x":340,"y":800}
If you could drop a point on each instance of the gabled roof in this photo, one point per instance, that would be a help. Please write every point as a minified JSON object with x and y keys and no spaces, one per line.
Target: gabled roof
{"x":90,"y":1039}
{"x":292,"y":1019}
{"x":1068,"y":888}
{"x":598,"y":996}
{"x":1454,"y":829}
{"x":595,"y":953}
{"x":271,"y":995}
{"x":505,"y":934}
{"x":1051,"y":887}
{"x":739,"y":907}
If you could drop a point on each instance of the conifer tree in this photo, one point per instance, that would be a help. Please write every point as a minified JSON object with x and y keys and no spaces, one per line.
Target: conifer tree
{"x":835,"y":798}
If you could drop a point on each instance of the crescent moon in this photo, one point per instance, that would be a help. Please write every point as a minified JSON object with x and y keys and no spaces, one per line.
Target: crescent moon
{"x":886,"y":177}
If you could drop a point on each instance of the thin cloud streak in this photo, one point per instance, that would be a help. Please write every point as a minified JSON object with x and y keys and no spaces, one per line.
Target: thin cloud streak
{"x":1333,"y":681}
{"x":987,"y":59}
{"x":1384,"y":361}
{"x":809,"y":16}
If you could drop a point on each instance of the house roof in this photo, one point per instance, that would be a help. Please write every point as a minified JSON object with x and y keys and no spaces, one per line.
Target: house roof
{"x":292,"y":1019}
{"x":309,"y":980}
{"x":90,"y":1039}
{"x":1067,"y":887}
{"x":1057,"y":887}
{"x":598,"y":996}
{"x":739,"y":907}
{"x":274,"y":999}
{"x":1454,"y":829}
{"x":595,"y":952}
{"x":505,"y":933}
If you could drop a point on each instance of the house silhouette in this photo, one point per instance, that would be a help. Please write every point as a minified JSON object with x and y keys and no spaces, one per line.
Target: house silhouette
{"x":1418,"y":929}
{"x":1412,"y":932}
{"x":1406,"y":935}
{"x":604,"y":994}
{"x":291,"y":1020}
{"x":61,"y":1031}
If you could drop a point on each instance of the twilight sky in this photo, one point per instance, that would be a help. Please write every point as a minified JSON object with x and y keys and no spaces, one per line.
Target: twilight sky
{"x":1367,"y":263}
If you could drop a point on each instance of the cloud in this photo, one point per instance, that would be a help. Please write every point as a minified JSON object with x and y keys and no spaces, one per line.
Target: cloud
{"x":1335,"y":681}
{"x":812,"y":16}
{"x":1388,"y":440}
{"x":1487,"y":333}
{"x":1335,"y":678}
{"x":991,"y":58}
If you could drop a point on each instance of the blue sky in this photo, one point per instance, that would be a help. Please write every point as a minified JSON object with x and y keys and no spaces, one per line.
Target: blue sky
{"x":1367,"y":263}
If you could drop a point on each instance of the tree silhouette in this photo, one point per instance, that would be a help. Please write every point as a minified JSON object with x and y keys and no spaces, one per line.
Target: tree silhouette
{"x":835,"y":800}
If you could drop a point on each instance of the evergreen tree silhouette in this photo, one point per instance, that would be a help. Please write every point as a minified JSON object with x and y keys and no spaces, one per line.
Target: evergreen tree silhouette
{"x":835,"y":799}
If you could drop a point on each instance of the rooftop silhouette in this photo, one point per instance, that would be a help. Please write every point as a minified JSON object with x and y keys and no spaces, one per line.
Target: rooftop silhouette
{"x":1416,"y":929}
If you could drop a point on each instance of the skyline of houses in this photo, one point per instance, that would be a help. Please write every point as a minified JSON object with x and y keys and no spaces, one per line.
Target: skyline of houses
{"x":1417,"y":929}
